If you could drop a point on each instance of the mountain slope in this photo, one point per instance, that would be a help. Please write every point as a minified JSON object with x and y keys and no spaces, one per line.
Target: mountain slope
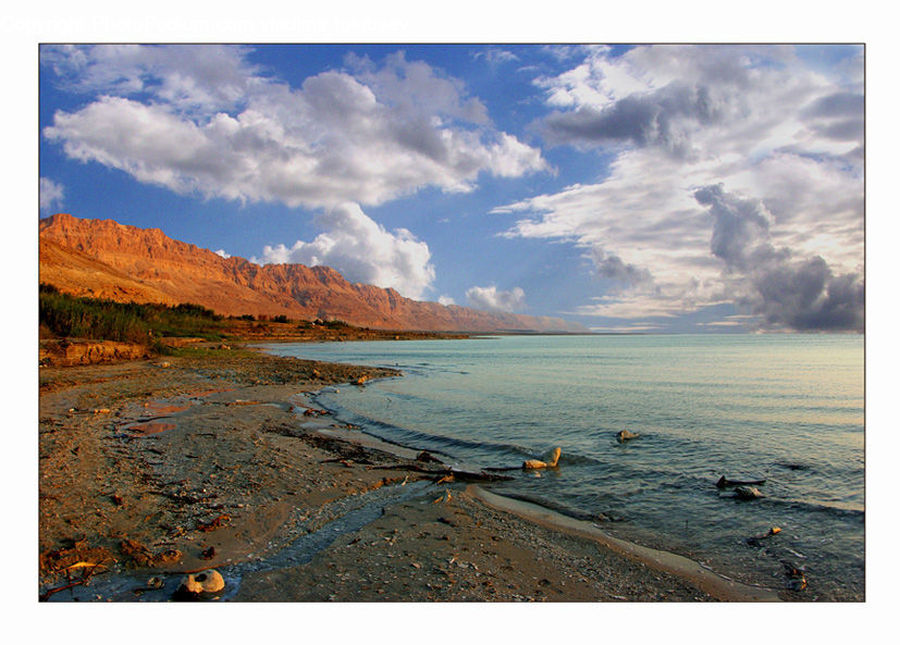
{"x":102,"y":258}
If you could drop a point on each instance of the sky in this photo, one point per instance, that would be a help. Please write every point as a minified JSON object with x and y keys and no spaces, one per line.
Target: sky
{"x":667,"y":188}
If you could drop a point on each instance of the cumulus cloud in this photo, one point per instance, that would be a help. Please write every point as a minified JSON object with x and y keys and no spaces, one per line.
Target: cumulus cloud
{"x":51,"y":195}
{"x":677,"y":118}
{"x":222,"y":253}
{"x":784,"y":290}
{"x":201,"y":119}
{"x":363,"y":251}
{"x":494,"y":299}
{"x":446,"y":301}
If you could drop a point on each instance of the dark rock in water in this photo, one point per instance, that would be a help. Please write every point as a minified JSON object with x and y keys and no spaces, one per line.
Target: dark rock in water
{"x":623,"y":435}
{"x":791,"y":466}
{"x":726,"y":483}
{"x":756,"y":540}
{"x":609,"y":516}
{"x":747,"y":492}
{"x":796,"y":576}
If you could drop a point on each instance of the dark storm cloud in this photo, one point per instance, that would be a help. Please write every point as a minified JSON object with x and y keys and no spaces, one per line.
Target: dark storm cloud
{"x":652,"y":118}
{"x":801,"y":294}
{"x":613,"y":267}
{"x":838,"y":116}
{"x":840,"y":104}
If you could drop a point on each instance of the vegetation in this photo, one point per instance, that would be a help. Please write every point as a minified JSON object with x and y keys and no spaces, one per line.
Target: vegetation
{"x":101,"y":319}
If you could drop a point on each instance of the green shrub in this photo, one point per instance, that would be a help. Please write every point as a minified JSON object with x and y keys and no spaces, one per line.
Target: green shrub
{"x":102,"y":319}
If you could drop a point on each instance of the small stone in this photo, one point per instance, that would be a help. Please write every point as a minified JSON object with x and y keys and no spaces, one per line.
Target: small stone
{"x":748,"y":492}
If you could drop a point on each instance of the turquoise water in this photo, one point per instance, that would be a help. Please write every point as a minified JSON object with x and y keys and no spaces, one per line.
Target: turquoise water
{"x":785,"y":408}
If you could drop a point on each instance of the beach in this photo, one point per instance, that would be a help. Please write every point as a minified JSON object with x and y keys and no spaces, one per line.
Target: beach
{"x":153,"y":469}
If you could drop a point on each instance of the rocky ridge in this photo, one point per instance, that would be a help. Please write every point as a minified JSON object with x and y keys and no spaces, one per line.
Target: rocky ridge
{"x":102,"y":258}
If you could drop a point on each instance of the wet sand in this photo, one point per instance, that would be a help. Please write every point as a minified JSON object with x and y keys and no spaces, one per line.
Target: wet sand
{"x":151,"y":469}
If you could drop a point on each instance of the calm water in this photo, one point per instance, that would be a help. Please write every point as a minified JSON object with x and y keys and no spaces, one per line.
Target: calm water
{"x":784,"y":408}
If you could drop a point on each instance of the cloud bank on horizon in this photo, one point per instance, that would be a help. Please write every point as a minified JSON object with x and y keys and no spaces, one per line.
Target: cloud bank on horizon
{"x":675,"y":187}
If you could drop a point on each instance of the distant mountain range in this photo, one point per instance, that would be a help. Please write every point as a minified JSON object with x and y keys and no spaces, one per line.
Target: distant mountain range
{"x":105,"y":259}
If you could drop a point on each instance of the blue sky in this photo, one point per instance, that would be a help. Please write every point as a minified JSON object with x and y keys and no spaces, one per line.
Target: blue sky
{"x":651,"y":188}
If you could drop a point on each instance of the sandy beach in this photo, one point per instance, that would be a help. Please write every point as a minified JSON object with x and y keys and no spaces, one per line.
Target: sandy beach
{"x":153,"y":469}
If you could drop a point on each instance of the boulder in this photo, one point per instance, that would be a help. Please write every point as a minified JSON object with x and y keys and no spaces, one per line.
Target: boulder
{"x":624,"y":435}
{"x":209,"y":581}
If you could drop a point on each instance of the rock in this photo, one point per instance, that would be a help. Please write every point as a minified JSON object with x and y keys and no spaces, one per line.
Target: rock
{"x":624,"y":435}
{"x":216,"y":523}
{"x":361,"y":380}
{"x":554,"y":457}
{"x":195,"y":585}
{"x":537,"y":464}
{"x":725,"y":483}
{"x":757,"y":539}
{"x":796,"y":576}
{"x":427,"y":457}
{"x":747,"y":492}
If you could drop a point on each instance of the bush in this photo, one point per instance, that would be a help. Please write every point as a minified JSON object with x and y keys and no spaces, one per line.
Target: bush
{"x":81,"y":317}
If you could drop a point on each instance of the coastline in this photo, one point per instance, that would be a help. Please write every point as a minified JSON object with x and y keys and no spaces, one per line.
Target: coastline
{"x":161,"y":467}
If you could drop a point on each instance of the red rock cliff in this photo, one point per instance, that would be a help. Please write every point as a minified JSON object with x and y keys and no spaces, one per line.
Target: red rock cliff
{"x":103,"y":258}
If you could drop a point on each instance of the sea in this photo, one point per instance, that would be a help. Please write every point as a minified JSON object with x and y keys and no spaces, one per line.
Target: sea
{"x":784,"y":409}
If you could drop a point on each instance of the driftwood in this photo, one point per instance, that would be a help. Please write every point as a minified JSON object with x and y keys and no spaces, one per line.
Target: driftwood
{"x":447,"y":474}
{"x":726,"y":483}
{"x":88,"y":570}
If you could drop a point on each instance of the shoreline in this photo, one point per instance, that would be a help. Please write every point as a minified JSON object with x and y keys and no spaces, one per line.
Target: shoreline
{"x":234,"y":477}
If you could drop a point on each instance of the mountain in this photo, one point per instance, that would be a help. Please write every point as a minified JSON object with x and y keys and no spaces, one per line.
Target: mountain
{"x":105,"y":259}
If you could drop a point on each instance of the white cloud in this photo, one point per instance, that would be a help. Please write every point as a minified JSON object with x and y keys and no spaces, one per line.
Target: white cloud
{"x":495,"y":300}
{"x":363,"y":251}
{"x":202,"y":119}
{"x":51,"y":195}
{"x":446,"y":301}
{"x":495,"y":56}
{"x":754,"y":120}
{"x":222,"y":253}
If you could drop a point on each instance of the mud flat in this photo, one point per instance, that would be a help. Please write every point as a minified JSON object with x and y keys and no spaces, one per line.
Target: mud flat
{"x":153,"y":469}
